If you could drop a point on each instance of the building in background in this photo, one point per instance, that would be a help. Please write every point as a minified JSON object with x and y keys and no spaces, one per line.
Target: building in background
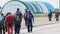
{"x":35,"y":7}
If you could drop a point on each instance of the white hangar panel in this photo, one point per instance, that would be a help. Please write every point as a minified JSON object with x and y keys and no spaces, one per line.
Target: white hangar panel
{"x":12,"y":6}
{"x":45,"y":9}
{"x":33,"y":7}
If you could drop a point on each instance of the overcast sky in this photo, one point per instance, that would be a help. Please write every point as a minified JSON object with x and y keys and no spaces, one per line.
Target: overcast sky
{"x":54,"y":3}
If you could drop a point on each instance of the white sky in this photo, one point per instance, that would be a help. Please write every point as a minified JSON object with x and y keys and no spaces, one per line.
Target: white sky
{"x":54,"y":3}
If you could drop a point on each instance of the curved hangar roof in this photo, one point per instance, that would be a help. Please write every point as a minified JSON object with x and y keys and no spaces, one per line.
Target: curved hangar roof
{"x":35,"y":7}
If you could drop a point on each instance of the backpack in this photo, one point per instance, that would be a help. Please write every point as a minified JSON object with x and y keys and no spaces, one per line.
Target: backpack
{"x":29,"y":17}
{"x":18,"y":17}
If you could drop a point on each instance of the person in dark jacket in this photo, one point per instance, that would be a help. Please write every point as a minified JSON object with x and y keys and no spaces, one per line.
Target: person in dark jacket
{"x":30,"y":20}
{"x":26,"y":12}
{"x":18,"y":19}
{"x":57,"y":16}
{"x":50,"y":16}
{"x":1,"y":23}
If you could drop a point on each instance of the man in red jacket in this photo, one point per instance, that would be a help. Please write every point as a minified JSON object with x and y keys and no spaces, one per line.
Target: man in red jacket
{"x":9,"y":20}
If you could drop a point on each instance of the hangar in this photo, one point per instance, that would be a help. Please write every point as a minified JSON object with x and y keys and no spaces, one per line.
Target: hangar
{"x":35,"y":7}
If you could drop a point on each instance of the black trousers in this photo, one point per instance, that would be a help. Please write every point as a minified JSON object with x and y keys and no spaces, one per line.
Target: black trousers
{"x":17,"y":29}
{"x":57,"y":19}
{"x":30,"y":27}
{"x":50,"y":19}
{"x":1,"y":29}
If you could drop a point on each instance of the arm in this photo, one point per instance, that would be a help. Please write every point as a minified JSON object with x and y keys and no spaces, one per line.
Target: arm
{"x":33,"y":18}
{"x":24,"y":16}
{"x":5,"y":22}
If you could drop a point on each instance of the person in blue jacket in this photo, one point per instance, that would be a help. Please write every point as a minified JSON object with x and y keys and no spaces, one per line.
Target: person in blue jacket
{"x":30,"y":21}
{"x":1,"y":23}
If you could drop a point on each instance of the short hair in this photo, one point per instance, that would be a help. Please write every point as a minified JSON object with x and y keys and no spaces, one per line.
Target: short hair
{"x":9,"y":13}
{"x":17,"y":8}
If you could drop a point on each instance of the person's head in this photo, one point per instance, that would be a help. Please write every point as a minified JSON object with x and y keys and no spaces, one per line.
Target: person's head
{"x":26,"y":10}
{"x":1,"y":14}
{"x":29,"y":11}
{"x":18,"y":11}
{"x":17,"y":8}
{"x":9,"y":13}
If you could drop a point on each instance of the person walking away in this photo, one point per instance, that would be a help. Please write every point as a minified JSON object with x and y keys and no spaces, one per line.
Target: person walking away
{"x":9,"y":20}
{"x":57,"y":16}
{"x":30,"y":20}
{"x":3,"y":19}
{"x":50,"y":16}
{"x":1,"y":23}
{"x":26,"y":12}
{"x":18,"y":19}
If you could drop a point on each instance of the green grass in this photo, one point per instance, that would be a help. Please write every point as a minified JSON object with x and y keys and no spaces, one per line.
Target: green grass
{"x":41,"y":15}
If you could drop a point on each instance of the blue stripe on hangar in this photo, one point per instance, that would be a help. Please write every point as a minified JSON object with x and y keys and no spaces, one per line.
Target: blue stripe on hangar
{"x":49,"y":6}
{"x":37,"y":7}
{"x":29,"y":7}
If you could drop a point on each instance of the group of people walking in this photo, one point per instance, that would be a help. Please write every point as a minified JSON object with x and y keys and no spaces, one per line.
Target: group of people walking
{"x":56,"y":16}
{"x":7,"y":22}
